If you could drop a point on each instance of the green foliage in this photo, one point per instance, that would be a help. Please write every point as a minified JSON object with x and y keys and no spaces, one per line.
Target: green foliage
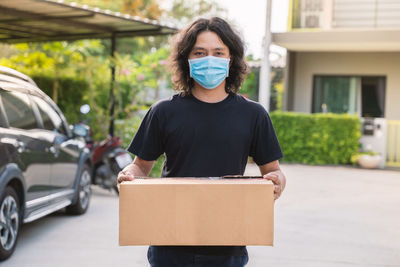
{"x":276,"y":102}
{"x":317,"y":138}
{"x":157,"y":168}
{"x":135,"y":76}
{"x":185,"y":11}
{"x":6,"y":50}
{"x":127,"y":129}
{"x":72,"y":94}
{"x":143,"y":8}
{"x":250,"y":84}
{"x":44,"y":58}
{"x":277,"y":96}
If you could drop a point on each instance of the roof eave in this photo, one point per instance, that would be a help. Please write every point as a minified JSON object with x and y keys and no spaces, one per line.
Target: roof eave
{"x":349,"y":40}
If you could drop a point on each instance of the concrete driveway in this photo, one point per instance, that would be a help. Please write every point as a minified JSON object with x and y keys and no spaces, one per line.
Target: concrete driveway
{"x":328,"y":216}
{"x":335,"y":216}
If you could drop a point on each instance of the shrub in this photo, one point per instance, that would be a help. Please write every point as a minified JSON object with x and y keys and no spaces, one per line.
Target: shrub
{"x":317,"y":138}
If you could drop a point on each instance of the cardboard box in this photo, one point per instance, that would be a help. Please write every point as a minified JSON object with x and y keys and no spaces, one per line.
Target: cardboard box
{"x":184,"y":211}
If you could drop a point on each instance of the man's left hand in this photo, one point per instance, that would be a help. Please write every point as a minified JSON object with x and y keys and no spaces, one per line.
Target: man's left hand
{"x":276,"y":178}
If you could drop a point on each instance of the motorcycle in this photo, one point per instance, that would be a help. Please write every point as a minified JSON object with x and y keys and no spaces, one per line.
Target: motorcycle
{"x":108,"y":158}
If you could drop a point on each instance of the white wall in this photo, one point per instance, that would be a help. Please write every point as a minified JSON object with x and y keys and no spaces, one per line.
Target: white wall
{"x":366,"y":13}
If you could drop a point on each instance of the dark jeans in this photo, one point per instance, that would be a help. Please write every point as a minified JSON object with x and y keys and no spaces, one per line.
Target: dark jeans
{"x":163,"y":257}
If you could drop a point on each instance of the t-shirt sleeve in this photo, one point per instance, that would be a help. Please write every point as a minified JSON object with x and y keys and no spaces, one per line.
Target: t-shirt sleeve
{"x":265,"y":147}
{"x":147,"y":143}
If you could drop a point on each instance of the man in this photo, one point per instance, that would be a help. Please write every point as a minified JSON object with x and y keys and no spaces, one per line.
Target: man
{"x":205,"y":130}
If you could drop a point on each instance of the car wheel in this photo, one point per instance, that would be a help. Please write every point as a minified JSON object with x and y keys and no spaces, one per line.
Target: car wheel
{"x":84,"y":193}
{"x":9,"y":222}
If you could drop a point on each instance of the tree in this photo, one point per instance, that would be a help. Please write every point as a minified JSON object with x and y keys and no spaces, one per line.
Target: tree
{"x":183,"y":12}
{"x":149,"y":9}
{"x":46,"y":58}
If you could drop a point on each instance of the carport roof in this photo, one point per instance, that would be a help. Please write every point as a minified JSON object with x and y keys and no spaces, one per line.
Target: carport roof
{"x":46,"y":20}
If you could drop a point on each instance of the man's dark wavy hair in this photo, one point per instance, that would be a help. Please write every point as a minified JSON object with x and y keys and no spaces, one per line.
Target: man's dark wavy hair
{"x":183,"y":45}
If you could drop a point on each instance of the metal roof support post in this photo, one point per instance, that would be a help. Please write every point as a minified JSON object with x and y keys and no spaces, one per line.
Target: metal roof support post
{"x":264,"y":91}
{"x":112,"y":97}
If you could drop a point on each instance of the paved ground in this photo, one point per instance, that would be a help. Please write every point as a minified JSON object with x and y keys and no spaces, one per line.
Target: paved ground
{"x":328,"y":216}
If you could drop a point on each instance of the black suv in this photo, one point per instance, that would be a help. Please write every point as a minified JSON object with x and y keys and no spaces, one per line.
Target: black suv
{"x":44,"y":164}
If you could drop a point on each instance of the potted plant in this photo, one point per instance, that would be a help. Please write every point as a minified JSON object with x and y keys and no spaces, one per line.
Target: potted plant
{"x":367,"y":159}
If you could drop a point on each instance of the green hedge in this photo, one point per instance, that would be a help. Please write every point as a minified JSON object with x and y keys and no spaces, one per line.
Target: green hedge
{"x":317,"y":138}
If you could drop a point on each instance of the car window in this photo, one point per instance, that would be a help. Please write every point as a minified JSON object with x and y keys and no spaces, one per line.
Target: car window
{"x":51,"y":119}
{"x":18,"y":110}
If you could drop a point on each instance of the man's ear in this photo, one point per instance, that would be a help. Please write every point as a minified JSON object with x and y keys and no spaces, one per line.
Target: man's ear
{"x":231,"y":60}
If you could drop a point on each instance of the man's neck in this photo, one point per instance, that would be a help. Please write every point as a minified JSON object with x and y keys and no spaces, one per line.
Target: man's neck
{"x":210,"y":96}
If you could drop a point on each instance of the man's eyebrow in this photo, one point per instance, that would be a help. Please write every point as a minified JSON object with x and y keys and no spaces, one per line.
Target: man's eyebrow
{"x":215,"y":49}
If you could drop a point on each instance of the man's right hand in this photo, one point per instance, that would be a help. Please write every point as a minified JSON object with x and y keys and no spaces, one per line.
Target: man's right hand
{"x":139,"y":167}
{"x":125,"y":175}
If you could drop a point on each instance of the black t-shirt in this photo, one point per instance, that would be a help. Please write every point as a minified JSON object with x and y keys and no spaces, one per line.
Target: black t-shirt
{"x":203,"y":139}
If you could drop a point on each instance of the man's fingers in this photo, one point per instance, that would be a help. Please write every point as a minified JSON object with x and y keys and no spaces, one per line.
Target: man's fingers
{"x":277,"y":189}
{"x":278,"y":186}
{"x":273,"y":177}
{"x":125,"y":176}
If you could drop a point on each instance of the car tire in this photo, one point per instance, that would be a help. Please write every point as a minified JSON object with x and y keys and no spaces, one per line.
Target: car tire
{"x":9,"y":222}
{"x":83,"y":194}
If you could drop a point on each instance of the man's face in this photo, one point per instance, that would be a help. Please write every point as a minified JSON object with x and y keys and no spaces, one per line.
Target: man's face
{"x":208,"y":43}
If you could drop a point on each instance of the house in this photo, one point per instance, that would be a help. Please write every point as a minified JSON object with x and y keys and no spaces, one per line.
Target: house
{"x":343,"y":56}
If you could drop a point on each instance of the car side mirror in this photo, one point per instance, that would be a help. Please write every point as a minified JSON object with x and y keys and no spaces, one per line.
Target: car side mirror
{"x":80,"y":130}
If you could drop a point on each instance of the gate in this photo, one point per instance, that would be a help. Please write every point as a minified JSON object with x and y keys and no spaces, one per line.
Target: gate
{"x":393,"y":144}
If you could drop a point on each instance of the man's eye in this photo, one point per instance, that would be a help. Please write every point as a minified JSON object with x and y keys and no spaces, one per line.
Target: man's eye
{"x":198,"y":53}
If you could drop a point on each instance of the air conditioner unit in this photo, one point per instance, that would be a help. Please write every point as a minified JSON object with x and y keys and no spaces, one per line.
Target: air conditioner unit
{"x":311,"y":21}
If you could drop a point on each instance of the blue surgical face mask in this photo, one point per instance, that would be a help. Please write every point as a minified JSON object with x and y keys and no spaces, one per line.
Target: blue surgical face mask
{"x":209,"y":71}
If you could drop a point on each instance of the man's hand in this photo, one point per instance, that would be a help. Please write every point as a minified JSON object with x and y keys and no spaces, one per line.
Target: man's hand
{"x":139,"y":167}
{"x":271,"y":171}
{"x":275,"y":178}
{"x":125,"y":175}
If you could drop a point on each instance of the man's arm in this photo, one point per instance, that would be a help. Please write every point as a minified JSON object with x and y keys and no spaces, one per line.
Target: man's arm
{"x":272,"y":171}
{"x":139,"y":167}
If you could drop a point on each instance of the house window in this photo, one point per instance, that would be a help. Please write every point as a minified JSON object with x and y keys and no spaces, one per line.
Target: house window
{"x":335,"y":94}
{"x":346,"y":94}
{"x":373,"y":97}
